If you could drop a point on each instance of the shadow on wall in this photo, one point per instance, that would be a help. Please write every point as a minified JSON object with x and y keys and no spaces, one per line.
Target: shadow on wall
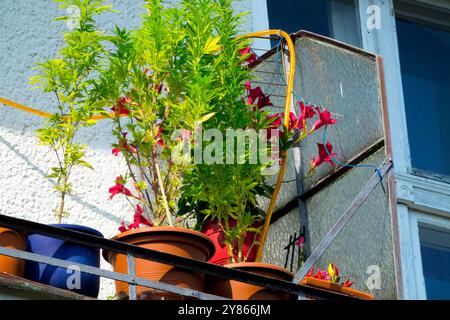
{"x":74,"y":198}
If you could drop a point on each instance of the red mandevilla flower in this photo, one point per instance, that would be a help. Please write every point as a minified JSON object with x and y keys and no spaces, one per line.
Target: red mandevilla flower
{"x":122,"y":227}
{"x":324,"y":156}
{"x":139,"y":219}
{"x":324,"y":119}
{"x":347,"y":284}
{"x":118,"y":188}
{"x":256,"y":96}
{"x":159,"y":139}
{"x":294,"y":122}
{"x":274,"y":123}
{"x":123,"y":145}
{"x":115,"y":151}
{"x":248,"y":51}
{"x":306,"y":113}
{"x":120,"y":108}
{"x":300,"y":242}
{"x":322,"y":275}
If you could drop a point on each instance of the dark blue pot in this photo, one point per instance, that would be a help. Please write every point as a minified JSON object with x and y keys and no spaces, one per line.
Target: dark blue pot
{"x":63,"y":278}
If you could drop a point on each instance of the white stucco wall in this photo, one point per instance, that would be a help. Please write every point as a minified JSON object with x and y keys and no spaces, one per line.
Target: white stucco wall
{"x":27,"y":35}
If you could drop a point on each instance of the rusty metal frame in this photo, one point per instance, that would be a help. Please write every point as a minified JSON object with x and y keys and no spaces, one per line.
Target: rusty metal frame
{"x":142,"y":253}
{"x":342,"y":222}
{"x":385,"y":142}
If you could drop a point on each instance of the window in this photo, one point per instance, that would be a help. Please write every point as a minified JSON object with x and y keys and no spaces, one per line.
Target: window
{"x":425,"y":67}
{"x":333,"y":18}
{"x":435,"y":251}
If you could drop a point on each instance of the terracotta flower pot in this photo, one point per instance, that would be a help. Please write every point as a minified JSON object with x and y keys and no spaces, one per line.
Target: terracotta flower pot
{"x":243,"y":291}
{"x":177,"y":241}
{"x":327,"y":285}
{"x":13,"y":240}
{"x":214,"y":231}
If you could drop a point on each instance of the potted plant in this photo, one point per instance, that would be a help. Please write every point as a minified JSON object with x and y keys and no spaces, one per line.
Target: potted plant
{"x":164,"y":80}
{"x":12,"y":239}
{"x":329,"y":280}
{"x":68,"y":76}
{"x":226,"y":193}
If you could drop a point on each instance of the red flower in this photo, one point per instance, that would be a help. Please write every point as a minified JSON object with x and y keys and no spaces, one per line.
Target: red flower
{"x":139,"y":219}
{"x":159,"y":139}
{"x":115,"y":151}
{"x":120,"y":108}
{"x":122,"y":227}
{"x":118,"y":188}
{"x":324,"y":119}
{"x":276,"y":121}
{"x":256,"y":96}
{"x":347,"y":284}
{"x":300,"y":242}
{"x":123,"y":145}
{"x":294,"y":122}
{"x":248,"y":51}
{"x":324,"y":156}
{"x":322,"y":275}
{"x":310,"y":272}
{"x":264,"y":101}
{"x":307,"y":111}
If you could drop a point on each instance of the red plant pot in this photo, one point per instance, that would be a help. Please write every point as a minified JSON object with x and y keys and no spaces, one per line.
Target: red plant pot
{"x":214,"y":231}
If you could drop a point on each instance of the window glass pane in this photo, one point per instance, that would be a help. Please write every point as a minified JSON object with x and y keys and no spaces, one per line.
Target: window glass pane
{"x":332,"y":18}
{"x":425,"y":65}
{"x":435,"y":250}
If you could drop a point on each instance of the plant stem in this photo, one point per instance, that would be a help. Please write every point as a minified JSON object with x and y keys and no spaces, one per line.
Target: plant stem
{"x":163,"y":195}
{"x":60,"y":212}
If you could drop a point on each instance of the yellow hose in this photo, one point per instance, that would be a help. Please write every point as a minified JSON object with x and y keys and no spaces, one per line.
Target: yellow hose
{"x":19,"y":106}
{"x":43,"y":114}
{"x":287,"y":109}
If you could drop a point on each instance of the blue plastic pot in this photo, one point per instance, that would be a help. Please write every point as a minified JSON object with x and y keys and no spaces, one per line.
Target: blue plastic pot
{"x":63,"y":278}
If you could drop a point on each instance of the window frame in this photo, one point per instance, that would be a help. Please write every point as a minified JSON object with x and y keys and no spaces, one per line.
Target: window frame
{"x":415,"y":193}
{"x":417,"y":218}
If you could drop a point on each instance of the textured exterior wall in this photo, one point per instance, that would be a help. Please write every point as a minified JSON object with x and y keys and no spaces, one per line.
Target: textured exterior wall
{"x":27,"y":36}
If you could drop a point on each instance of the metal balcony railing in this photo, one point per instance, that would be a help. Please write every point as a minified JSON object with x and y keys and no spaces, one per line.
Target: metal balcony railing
{"x":133,"y":252}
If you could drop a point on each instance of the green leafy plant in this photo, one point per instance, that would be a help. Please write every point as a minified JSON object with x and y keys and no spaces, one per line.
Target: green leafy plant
{"x":222,"y":191}
{"x":165,"y":80}
{"x":69,"y":77}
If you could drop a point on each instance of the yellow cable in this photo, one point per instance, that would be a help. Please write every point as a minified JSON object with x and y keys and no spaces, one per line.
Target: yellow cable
{"x":43,"y":114}
{"x":19,"y":106}
{"x":287,"y":109}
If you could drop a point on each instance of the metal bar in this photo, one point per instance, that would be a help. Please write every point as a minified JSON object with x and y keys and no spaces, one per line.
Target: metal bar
{"x":269,"y":83}
{"x":109,"y":274}
{"x":333,"y":176}
{"x":288,"y":248}
{"x":294,"y":203}
{"x":263,"y":71}
{"x":115,"y":246}
{"x":132,"y":273}
{"x":293,"y":253}
{"x":275,"y":95}
{"x":343,"y":220}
